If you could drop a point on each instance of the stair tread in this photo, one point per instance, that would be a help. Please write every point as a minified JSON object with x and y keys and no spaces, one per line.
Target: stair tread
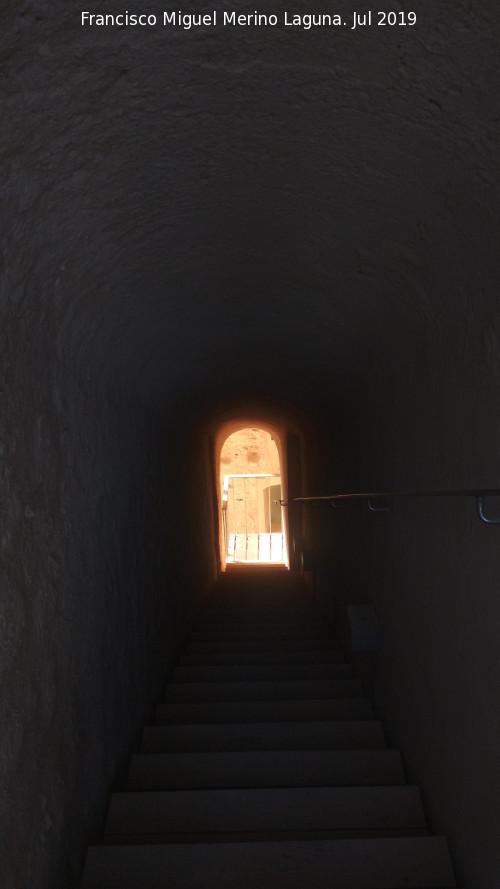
{"x":280,"y":625}
{"x":268,"y":637}
{"x":261,"y":809}
{"x":266,"y":767}
{"x":282,"y":605}
{"x":260,"y":645}
{"x":295,"y":689}
{"x":288,"y":768}
{"x":270,"y":735}
{"x":274,"y":673}
{"x":285,"y":634}
{"x":255,"y":836}
{"x":413,"y":863}
{"x":264,"y":711}
{"x":261,"y":622}
{"x":327,"y":656}
{"x":259,"y":611}
{"x":229,"y":622}
{"x":224,"y":617}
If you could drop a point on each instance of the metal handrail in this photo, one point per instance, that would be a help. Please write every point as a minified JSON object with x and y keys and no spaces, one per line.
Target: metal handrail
{"x":479,"y":495}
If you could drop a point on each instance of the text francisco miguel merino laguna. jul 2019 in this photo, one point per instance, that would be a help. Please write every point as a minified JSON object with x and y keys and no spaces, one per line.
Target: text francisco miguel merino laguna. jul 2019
{"x":215,"y":18}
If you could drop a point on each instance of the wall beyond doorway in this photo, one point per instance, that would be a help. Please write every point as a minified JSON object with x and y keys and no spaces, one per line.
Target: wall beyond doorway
{"x":249,"y":459}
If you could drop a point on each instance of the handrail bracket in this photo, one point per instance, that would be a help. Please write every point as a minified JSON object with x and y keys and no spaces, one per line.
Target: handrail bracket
{"x":480,"y":511}
{"x":373,"y":508}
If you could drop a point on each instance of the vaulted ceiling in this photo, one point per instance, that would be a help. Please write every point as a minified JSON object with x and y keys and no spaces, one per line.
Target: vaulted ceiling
{"x":249,"y":208}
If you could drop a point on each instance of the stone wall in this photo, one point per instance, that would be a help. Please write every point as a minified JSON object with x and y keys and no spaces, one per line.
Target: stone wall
{"x":89,"y":620}
{"x":431,"y":568}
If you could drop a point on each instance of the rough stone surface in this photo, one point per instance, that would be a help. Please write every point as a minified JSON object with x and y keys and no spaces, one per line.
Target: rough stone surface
{"x":194,"y":222}
{"x":80,"y":592}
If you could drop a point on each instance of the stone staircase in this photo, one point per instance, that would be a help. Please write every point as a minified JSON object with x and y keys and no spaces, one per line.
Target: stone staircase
{"x":265,"y":767}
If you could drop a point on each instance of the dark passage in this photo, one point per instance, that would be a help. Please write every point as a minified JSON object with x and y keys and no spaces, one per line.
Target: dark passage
{"x":289,"y":227}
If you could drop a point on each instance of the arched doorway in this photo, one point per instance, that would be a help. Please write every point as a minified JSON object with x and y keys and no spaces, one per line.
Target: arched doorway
{"x":251,"y":485}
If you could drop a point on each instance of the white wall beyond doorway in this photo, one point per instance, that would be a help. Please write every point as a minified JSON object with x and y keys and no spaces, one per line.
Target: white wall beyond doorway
{"x":251,"y":513}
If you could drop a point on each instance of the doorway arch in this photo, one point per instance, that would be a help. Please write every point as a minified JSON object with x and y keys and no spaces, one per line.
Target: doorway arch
{"x":251,"y":476}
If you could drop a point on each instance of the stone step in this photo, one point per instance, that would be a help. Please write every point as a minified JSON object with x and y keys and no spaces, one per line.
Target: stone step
{"x":298,"y":645}
{"x":285,"y":585}
{"x":255,"y":836}
{"x":306,"y":809}
{"x":270,"y":633}
{"x":263,"y":711}
{"x":259,"y":592}
{"x":250,"y":610}
{"x":359,"y":735}
{"x":275,"y":615}
{"x":243,"y":605}
{"x":266,"y":768}
{"x":325,"y":656}
{"x":283,"y":768}
{"x":234,"y":622}
{"x":294,"y":690}
{"x":288,"y":631}
{"x":261,"y":620}
{"x":263,"y":592}
{"x":241,"y":580}
{"x":275,"y":673}
{"x":282,"y":605}
{"x":413,"y":863}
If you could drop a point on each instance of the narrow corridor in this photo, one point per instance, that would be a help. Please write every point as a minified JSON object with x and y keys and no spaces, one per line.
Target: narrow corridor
{"x":220,"y":228}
